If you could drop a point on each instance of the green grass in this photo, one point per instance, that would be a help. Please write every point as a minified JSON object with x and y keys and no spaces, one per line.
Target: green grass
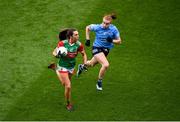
{"x":142,"y":82}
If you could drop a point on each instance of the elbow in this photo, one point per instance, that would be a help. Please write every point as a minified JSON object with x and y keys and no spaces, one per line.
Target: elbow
{"x":54,"y":53}
{"x":87,"y":28}
{"x":118,"y":42}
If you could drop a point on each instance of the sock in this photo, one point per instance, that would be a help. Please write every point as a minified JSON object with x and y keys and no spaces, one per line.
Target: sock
{"x":99,"y":82}
{"x":100,"y":79}
{"x":68,"y":102}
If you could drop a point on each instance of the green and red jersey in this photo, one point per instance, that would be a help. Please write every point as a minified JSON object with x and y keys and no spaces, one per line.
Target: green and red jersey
{"x":69,"y":60}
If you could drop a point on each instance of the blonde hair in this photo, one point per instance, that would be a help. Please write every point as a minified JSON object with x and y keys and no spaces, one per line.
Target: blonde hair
{"x":110,"y":17}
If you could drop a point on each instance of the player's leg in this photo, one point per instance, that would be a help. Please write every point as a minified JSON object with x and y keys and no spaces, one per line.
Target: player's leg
{"x":91,"y":63}
{"x":84,"y":67}
{"x":101,"y":58}
{"x":64,"y":78}
{"x":59,"y":77}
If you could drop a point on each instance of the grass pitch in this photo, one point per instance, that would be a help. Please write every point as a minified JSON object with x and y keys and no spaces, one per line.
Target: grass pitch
{"x":142,"y":82}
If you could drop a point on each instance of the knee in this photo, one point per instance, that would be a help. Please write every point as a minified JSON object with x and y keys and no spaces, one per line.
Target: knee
{"x":68,"y":85}
{"x":106,"y":65}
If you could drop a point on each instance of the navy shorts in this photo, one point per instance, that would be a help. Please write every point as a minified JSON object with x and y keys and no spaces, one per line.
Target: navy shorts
{"x":96,"y":50}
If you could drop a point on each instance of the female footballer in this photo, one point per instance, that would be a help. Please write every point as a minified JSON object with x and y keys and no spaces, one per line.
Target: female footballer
{"x":106,"y":36}
{"x":66,"y":64}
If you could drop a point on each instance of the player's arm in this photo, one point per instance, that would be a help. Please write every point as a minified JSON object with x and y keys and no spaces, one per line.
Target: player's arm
{"x":87,"y":35}
{"x":54,"y":53}
{"x":60,"y":44}
{"x":87,"y":32}
{"x":83,"y":53}
{"x":117,"y":40}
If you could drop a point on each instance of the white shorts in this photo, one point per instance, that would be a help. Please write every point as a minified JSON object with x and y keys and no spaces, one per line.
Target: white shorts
{"x":64,"y":70}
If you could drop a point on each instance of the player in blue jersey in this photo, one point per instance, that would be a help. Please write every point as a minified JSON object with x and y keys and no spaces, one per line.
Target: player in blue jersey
{"x":106,"y":36}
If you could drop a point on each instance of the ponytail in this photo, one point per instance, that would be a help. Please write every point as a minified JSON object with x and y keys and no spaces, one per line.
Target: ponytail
{"x":110,"y":17}
{"x":113,"y":16}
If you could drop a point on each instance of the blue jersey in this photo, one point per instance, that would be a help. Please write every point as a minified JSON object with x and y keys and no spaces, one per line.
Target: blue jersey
{"x":103,"y":33}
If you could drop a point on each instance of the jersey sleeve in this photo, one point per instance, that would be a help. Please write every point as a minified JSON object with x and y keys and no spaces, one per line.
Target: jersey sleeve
{"x":116,"y":33}
{"x":60,"y":44}
{"x":81,"y":48}
{"x":93,"y":27}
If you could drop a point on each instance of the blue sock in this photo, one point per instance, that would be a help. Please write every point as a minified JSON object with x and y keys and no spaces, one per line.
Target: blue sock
{"x":99,"y":82}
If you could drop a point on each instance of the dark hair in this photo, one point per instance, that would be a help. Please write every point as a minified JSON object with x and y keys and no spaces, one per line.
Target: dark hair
{"x":113,"y":16}
{"x":70,"y":32}
{"x":110,"y":17}
{"x":63,"y":34}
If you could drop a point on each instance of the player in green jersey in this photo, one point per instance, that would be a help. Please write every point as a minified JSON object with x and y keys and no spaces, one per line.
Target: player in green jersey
{"x":66,"y":64}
